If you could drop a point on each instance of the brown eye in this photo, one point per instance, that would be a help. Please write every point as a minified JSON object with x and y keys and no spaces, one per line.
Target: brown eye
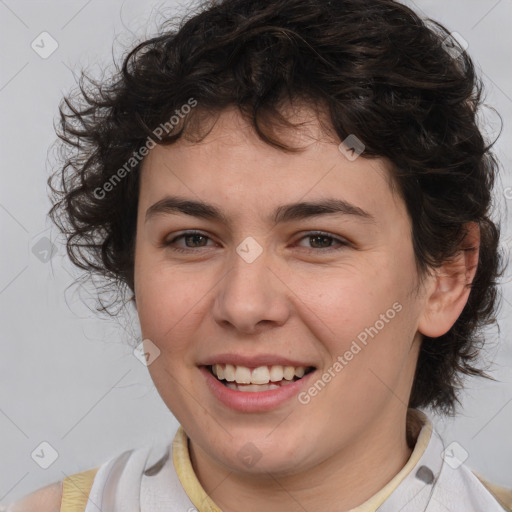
{"x":322,"y":241}
{"x":193,"y":240}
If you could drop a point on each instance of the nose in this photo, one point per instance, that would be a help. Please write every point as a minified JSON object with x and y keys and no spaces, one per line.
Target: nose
{"x":252,"y":295}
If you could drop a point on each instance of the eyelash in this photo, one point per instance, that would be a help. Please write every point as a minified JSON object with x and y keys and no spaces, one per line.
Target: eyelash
{"x":198,"y":233}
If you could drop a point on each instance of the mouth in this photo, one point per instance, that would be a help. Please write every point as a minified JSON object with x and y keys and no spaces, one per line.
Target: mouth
{"x":262,"y":378}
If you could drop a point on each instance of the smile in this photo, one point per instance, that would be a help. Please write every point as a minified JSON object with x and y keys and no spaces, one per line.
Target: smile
{"x":236,"y":387}
{"x":262,"y":378}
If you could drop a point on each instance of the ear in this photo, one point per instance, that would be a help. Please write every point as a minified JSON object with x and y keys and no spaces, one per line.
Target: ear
{"x":450,"y":286}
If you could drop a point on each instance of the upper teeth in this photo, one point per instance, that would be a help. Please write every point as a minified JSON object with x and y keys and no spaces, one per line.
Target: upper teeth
{"x":260,"y":375}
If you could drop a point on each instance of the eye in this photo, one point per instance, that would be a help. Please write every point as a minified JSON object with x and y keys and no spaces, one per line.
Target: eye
{"x":194,"y":237}
{"x":323,"y":239}
{"x":198,"y":240}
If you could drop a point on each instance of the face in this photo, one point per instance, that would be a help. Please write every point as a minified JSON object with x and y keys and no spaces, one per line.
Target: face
{"x":334,"y":290}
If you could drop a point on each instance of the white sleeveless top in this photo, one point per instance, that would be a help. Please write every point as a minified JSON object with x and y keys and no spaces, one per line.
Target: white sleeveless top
{"x":146,"y":480}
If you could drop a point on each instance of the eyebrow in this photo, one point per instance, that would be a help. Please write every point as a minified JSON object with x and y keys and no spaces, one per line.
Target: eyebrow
{"x":284,"y":213}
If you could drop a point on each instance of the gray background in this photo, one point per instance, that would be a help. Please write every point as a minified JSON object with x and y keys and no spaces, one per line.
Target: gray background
{"x":69,"y":377}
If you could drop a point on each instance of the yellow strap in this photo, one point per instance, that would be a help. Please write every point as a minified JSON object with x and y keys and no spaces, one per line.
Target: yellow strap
{"x":76,"y":489}
{"x":187,"y":476}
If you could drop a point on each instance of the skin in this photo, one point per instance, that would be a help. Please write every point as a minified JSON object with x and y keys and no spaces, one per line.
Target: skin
{"x":300,"y":298}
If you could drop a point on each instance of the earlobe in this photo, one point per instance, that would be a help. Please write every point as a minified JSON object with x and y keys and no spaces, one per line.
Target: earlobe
{"x":450,"y":287}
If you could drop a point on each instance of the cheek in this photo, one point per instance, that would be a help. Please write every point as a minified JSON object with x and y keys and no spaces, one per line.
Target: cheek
{"x":169,"y":301}
{"x":367,"y":314}
{"x":346,"y":300}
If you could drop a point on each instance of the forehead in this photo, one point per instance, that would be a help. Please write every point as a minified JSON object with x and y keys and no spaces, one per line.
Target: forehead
{"x":235,"y":170}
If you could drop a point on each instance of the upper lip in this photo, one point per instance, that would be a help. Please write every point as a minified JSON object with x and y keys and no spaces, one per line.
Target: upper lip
{"x":253,"y":361}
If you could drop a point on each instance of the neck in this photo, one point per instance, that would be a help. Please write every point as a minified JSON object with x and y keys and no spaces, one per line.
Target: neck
{"x":346,"y":480}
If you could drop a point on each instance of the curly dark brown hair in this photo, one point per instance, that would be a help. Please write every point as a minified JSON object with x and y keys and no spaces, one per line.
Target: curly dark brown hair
{"x":375,"y":67}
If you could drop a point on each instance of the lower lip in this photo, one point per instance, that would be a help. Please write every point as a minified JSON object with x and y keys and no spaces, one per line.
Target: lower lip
{"x":253,"y":401}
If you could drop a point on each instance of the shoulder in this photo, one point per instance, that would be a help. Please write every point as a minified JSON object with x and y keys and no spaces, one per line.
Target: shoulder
{"x":68,"y":494}
{"x":45,"y":499}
